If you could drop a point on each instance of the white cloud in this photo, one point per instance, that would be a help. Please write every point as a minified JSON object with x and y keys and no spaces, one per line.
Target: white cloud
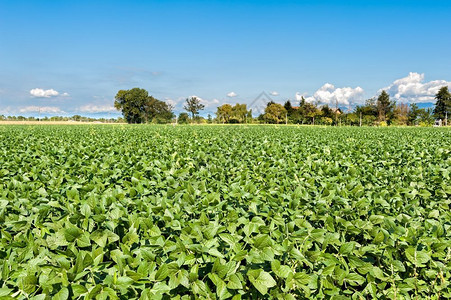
{"x":412,"y":88}
{"x":231,"y":94}
{"x":274,"y":93}
{"x":93,"y":108}
{"x":65,"y":95}
{"x":42,"y":109}
{"x":307,"y":98}
{"x":40,"y":93}
{"x":171,"y":102}
{"x":328,"y":94}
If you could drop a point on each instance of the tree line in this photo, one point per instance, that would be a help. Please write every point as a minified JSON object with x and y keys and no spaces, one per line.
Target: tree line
{"x":75,"y":118}
{"x":138,"y":107}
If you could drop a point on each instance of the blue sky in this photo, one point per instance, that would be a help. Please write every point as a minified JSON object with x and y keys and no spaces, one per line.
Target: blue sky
{"x":71,"y":57}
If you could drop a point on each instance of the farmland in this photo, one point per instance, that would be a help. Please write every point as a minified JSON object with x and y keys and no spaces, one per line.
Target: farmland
{"x":224,"y":212}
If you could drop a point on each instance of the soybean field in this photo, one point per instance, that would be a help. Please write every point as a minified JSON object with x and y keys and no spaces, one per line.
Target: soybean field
{"x":224,"y":212}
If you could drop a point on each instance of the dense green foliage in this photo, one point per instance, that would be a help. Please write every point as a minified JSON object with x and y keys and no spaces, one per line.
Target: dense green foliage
{"x":384,"y":106}
{"x":193,"y":106}
{"x":275,"y":113}
{"x":443,"y":105}
{"x":237,"y":113}
{"x":224,"y":212}
{"x":138,"y":107}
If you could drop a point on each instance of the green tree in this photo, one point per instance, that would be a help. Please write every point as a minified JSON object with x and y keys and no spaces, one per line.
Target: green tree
{"x":138,"y":107}
{"x":367,"y":113}
{"x":193,"y":106}
{"x":384,"y":106}
{"x":275,"y":113}
{"x":315,"y":112}
{"x":240,"y":113}
{"x":352,"y":119}
{"x":327,"y":112}
{"x":413,"y":114}
{"x":132,"y":104}
{"x":183,"y":118}
{"x":425,"y":117}
{"x":307,"y":111}
{"x":443,"y":104}
{"x":288,"y":107}
{"x":369,"y":109}
{"x":157,"y":111}
{"x":224,"y":113}
{"x":326,"y":120}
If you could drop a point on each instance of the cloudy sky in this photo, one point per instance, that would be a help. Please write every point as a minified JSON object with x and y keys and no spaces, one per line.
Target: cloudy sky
{"x":71,"y":57}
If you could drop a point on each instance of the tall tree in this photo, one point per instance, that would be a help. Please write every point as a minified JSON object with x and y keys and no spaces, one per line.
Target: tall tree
{"x":288,"y":107}
{"x":308,"y":110}
{"x":400,"y":114}
{"x":193,"y":106}
{"x":157,"y":111}
{"x":224,"y":113}
{"x":413,"y":114}
{"x":275,"y":113}
{"x":240,"y":113}
{"x":131,"y":103}
{"x":443,"y":103}
{"x":369,"y":109}
{"x":384,"y":106}
{"x":138,"y":107}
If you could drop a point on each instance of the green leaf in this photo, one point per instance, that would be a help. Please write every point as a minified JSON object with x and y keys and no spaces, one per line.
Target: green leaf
{"x":215,"y":252}
{"x":267,"y":254}
{"x":234,"y":282}
{"x":355,"y":278}
{"x":422,"y":257}
{"x":73,"y":194}
{"x":154,"y":231}
{"x":261,"y":280}
{"x":99,"y":238}
{"x":5,"y":291}
{"x":63,"y":294}
{"x":347,"y":248}
{"x":281,"y":271}
{"x":262,"y":241}
{"x":162,"y":273}
{"x":78,"y":289}
{"x":72,"y":233}
{"x":221,"y":289}
{"x":418,"y":258}
{"x":28,"y":284}
{"x":301,"y":278}
{"x":398,"y":266}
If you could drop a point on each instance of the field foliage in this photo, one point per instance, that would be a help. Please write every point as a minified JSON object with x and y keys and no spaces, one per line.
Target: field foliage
{"x":224,"y":212}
